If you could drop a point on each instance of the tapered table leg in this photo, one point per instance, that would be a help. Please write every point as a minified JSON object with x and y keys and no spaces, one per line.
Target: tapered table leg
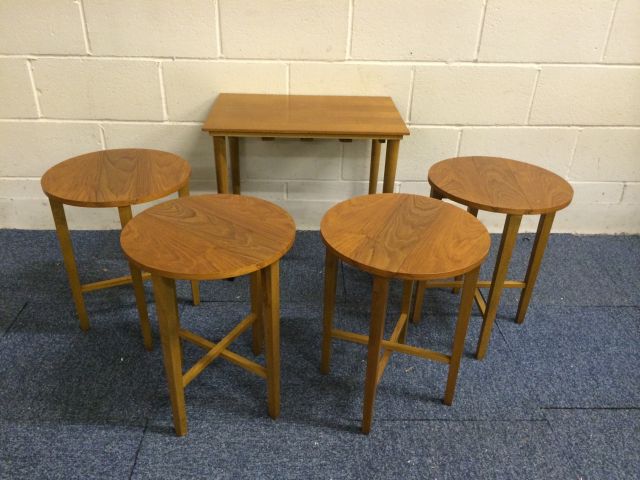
{"x":195,"y":285}
{"x":220,"y":154}
{"x":256,"y":308}
{"x":138,"y":287}
{"x":417,"y":305}
{"x":507,"y":242}
{"x":64,"y":237}
{"x":466,"y":302}
{"x":271,"y":325}
{"x":376,"y":330}
{"x":164,"y":290}
{"x":390,"y":164}
{"x":234,"y":159}
{"x":374,"y":169}
{"x":330,"y":277}
{"x":539,"y":245}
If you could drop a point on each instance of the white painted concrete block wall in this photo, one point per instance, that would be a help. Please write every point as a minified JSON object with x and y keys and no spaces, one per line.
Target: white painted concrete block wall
{"x":555,"y":83}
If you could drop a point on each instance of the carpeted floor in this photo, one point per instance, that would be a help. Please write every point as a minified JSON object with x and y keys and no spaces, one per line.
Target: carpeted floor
{"x":556,"y":397}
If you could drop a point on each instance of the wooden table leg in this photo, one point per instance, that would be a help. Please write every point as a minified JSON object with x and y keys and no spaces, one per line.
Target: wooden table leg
{"x":220,"y":154}
{"x":539,"y":245}
{"x":474,"y":212}
{"x":376,"y":330}
{"x":417,"y":305}
{"x":64,"y":237}
{"x":256,"y":308}
{"x":234,"y":158}
{"x":195,"y":285}
{"x":436,"y":194}
{"x":390,"y":164}
{"x":138,"y":286}
{"x":507,"y":242}
{"x":330,"y":280}
{"x":374,"y":169}
{"x":407,"y":290}
{"x":466,"y":302}
{"x":164,"y":291}
{"x":271,"y":325}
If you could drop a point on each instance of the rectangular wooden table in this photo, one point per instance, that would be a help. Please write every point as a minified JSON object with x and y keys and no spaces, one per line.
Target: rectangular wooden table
{"x":306,"y":117}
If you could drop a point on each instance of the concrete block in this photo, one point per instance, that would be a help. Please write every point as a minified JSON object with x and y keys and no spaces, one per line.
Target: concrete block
{"x":16,"y":93}
{"x":578,"y":95}
{"x":285,"y":159}
{"x":188,"y":141}
{"x":41,"y":26}
{"x":544,"y":31}
{"x":624,"y":40}
{"x":476,"y":95}
{"x":419,"y":30}
{"x":549,"y":148}
{"x":418,"y":151}
{"x":192,"y":86}
{"x":268,"y":190}
{"x":284,"y":29}
{"x":598,"y":219}
{"x":162,"y":28}
{"x":349,"y":79}
{"x":589,"y":193}
{"x":416,"y":188}
{"x":98,"y":89}
{"x":30,"y":148}
{"x":631,"y":194}
{"x":607,"y":154}
{"x":323,"y":191}
{"x":306,"y":214}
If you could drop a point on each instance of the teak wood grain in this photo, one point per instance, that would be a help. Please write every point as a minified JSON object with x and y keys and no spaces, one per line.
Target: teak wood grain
{"x":500,"y":185}
{"x":405,"y":236}
{"x":208,"y":237}
{"x":116,"y":178}
{"x":312,"y":116}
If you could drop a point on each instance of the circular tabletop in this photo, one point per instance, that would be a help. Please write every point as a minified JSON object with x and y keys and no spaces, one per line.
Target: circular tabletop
{"x":405,"y":236}
{"x":208,"y":237}
{"x":116,"y":178}
{"x":500,"y":185}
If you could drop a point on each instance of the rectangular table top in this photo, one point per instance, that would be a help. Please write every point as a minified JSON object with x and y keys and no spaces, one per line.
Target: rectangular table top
{"x":312,"y":116}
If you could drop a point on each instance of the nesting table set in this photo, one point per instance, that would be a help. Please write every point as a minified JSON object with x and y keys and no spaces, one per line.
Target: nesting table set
{"x":422,"y":241}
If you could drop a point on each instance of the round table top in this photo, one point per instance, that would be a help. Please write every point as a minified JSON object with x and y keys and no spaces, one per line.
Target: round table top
{"x":116,"y":178}
{"x":208,"y":237}
{"x":405,"y":236}
{"x":500,"y":185}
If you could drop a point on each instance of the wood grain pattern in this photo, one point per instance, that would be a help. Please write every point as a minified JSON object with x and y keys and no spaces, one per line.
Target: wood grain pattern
{"x":500,"y":185}
{"x":405,"y":236}
{"x":305,"y":116}
{"x":116,"y":178}
{"x":208,"y":237}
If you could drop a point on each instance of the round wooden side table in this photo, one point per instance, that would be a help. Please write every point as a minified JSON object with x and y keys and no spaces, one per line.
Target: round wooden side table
{"x":212,"y":237}
{"x":403,"y":236}
{"x":504,"y":186}
{"x":112,"y":178}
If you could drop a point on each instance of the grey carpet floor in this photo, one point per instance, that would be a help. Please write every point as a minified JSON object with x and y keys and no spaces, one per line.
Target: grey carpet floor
{"x":556,"y":397}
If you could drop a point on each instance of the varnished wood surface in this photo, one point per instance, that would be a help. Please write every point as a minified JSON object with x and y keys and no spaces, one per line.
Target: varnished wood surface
{"x":208,"y":236}
{"x":500,"y":185}
{"x":305,"y":116}
{"x":116,"y":178}
{"x":405,"y":236}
